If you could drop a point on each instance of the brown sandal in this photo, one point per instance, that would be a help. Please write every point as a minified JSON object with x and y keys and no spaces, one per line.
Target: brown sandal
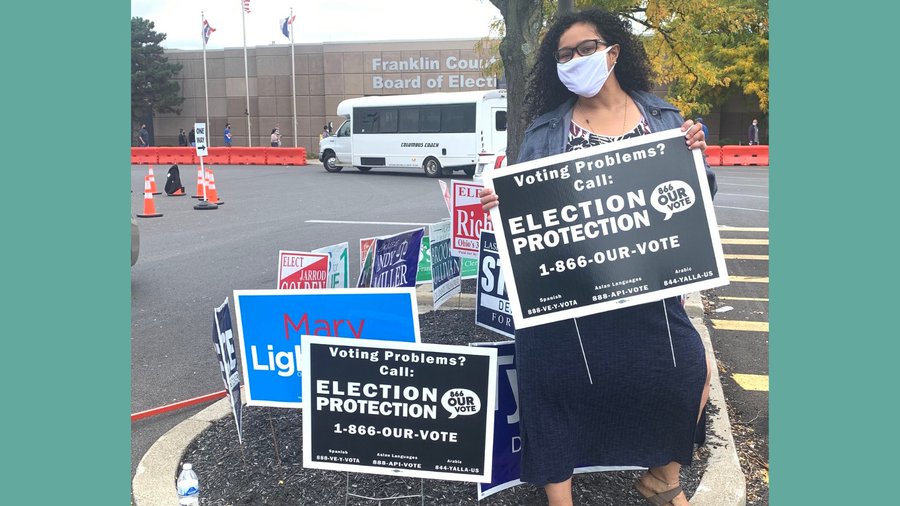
{"x":662,"y":498}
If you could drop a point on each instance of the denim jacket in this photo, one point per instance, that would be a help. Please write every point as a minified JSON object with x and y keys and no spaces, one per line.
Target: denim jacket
{"x":547,"y":135}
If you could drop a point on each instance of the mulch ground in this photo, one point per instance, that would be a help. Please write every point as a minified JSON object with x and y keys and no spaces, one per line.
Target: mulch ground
{"x":269,"y":469}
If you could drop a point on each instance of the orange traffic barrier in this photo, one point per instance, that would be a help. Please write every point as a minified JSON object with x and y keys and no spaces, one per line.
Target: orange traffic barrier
{"x":758,"y":155}
{"x":248,"y":156}
{"x":177,"y":155}
{"x":218,"y":156}
{"x":745,"y":155}
{"x":200,"y":184}
{"x":149,"y":207}
{"x":143,"y":156}
{"x":153,"y":188}
{"x":211,"y":194}
{"x":285,"y":156}
{"x":713,"y":155}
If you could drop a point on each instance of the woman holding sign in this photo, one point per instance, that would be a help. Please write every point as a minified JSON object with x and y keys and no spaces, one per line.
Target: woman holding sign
{"x":624,"y":387}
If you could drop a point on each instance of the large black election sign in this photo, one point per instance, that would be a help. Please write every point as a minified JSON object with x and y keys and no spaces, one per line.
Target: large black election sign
{"x":377,"y":407}
{"x":606,"y":227}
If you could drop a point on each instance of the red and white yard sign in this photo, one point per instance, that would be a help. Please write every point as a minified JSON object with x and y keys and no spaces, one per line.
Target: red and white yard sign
{"x":468,"y":219}
{"x":300,"y":270}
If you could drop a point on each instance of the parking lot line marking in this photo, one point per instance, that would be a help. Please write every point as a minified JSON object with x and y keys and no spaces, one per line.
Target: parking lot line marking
{"x":726,"y":228}
{"x":747,"y":242}
{"x":740,"y":325}
{"x":743,"y":185}
{"x":743,"y":195}
{"x":748,"y":279}
{"x":729,"y":256}
{"x":369,"y":223}
{"x":752,"y":382}
{"x":743,"y":209}
{"x":751,"y":299}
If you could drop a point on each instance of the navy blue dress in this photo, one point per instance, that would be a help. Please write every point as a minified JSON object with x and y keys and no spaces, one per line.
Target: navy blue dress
{"x":630,"y":398}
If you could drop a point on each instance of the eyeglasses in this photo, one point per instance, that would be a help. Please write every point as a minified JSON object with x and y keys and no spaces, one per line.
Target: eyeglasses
{"x":585,"y":48}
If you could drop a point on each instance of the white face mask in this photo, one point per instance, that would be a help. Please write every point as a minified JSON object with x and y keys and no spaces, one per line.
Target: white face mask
{"x":585,"y":76}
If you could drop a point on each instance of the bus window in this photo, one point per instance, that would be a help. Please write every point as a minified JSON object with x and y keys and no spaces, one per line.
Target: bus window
{"x":409,"y":120}
{"x":387,"y":121}
{"x":365,"y":121}
{"x":500,"y":121}
{"x":344,"y":131}
{"x":430,"y":119}
{"x":458,"y":118}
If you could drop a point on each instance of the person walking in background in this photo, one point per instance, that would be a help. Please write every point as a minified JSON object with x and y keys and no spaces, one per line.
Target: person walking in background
{"x":700,"y":122}
{"x":330,"y":128}
{"x":325,"y":133}
{"x":753,"y":133}
{"x":182,"y":137}
{"x":228,"y":134}
{"x":192,"y":138}
{"x":275,"y":138}
{"x":143,"y":136}
{"x":590,"y":85}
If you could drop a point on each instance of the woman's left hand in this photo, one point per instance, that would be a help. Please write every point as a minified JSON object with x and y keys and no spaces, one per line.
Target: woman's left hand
{"x":693,"y":134}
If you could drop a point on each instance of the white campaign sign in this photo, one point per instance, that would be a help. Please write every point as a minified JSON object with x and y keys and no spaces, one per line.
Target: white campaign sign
{"x":200,"y":138}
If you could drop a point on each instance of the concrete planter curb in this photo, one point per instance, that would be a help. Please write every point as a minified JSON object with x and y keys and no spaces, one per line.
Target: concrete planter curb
{"x":722,"y":484}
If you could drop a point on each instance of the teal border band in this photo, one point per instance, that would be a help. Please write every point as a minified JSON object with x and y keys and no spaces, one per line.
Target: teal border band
{"x":834,"y":176}
{"x":66,"y":310}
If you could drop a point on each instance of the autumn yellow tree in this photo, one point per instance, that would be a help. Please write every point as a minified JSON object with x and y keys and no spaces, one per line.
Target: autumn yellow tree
{"x":703,"y":50}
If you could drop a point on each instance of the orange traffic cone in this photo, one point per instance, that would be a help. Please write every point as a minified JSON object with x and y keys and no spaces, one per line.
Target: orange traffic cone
{"x":178,"y":193}
{"x":153,"y":182}
{"x":200,"y":183}
{"x":211,"y":194}
{"x":149,"y":208}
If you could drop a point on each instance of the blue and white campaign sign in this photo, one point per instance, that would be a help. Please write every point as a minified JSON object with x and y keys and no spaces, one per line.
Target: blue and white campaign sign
{"x":492,"y":310}
{"x":397,"y":259}
{"x":271,"y":322}
{"x":507,"y":441}
{"x":223,"y":342}
{"x":338,"y":265}
{"x":444,"y":266}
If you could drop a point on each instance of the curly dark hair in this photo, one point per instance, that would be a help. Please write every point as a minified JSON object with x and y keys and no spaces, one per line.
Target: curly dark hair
{"x":546,"y":91}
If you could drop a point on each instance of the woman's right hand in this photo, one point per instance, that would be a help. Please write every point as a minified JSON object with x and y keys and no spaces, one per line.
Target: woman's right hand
{"x":489,"y":199}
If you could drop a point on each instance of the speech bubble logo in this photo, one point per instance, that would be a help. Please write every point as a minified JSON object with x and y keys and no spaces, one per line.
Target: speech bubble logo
{"x":672,"y":197}
{"x":461,"y":401}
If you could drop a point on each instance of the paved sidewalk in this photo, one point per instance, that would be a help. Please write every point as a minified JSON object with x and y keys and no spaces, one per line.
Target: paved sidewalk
{"x":722,"y":484}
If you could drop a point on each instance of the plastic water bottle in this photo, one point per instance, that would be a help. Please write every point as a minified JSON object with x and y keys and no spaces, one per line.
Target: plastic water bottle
{"x":188,"y":486}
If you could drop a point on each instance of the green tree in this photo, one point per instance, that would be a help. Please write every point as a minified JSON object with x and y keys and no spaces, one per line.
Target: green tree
{"x":153,"y":85}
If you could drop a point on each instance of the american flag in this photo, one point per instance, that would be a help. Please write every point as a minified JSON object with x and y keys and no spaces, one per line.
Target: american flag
{"x":284,"y":25}
{"x":246,"y":6}
{"x":207,"y":31}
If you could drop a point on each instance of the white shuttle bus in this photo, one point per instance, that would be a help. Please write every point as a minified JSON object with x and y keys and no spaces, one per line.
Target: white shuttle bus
{"x":436,"y":132}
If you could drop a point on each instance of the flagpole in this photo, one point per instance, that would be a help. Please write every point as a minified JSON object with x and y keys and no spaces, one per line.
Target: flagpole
{"x":293,"y":79}
{"x":205,"y":88}
{"x":246,"y":75}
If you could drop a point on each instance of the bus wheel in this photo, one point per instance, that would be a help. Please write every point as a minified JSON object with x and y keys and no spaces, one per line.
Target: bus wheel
{"x":433,"y":167}
{"x":331,"y":162}
{"x":469,"y":170}
{"x":364,"y":169}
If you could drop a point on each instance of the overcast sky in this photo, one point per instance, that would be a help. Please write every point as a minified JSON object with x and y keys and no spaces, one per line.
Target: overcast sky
{"x":317,"y":21}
